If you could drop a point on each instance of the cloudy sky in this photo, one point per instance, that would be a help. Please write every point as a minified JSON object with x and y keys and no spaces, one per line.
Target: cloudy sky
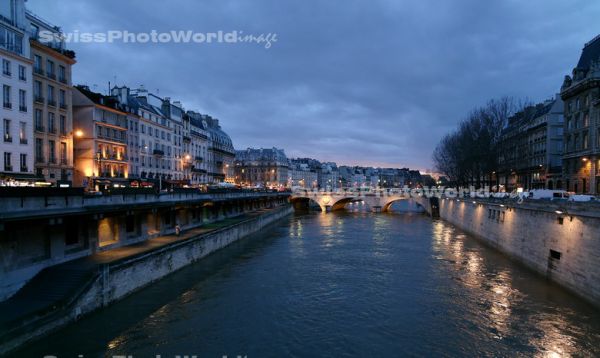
{"x":357,"y":82}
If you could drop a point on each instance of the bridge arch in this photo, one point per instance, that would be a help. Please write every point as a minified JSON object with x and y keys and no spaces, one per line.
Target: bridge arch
{"x":300,"y":200}
{"x":386,"y":207}
{"x":341,"y":203}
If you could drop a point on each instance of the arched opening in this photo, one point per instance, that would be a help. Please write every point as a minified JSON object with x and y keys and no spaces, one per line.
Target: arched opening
{"x":341,"y":204}
{"x":412,"y":205}
{"x":304,"y":203}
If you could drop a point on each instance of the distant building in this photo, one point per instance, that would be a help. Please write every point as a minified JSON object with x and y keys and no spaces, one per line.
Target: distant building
{"x":220,"y":154}
{"x":328,"y":176}
{"x":531,"y":148}
{"x":196,"y":154}
{"x":265,"y":167}
{"x":581,"y":95}
{"x":302,"y":175}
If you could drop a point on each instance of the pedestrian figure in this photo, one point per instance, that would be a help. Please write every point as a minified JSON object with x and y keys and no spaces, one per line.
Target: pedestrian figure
{"x":177,"y":230}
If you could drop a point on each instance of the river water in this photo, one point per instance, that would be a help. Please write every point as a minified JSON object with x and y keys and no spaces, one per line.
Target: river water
{"x":347,"y":284}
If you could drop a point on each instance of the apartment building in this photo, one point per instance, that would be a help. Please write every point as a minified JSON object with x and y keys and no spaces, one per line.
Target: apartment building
{"x":16,"y":113}
{"x":52,"y":107}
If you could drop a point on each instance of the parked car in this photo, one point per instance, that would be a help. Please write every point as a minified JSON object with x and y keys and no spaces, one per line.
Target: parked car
{"x":582,"y":198}
{"x":548,"y":194}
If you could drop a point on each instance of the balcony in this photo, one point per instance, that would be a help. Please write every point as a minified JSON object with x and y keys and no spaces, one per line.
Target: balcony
{"x":52,"y":102}
{"x":158,"y":152}
{"x":40,"y":128}
{"x":23,"y":140}
{"x":63,"y":106}
{"x":51,"y":75}
{"x":39,"y":99}
{"x":8,"y":138}
{"x":38,"y":71}
{"x":7,"y":73}
{"x":62,"y":80}
{"x":23,"y":108}
{"x":7,"y":105}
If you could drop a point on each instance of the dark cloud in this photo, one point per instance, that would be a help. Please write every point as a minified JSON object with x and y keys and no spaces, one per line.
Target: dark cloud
{"x":365,"y":82}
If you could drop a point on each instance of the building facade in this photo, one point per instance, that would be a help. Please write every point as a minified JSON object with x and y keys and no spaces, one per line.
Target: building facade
{"x":52,"y":107}
{"x":581,"y":95}
{"x":264,"y":167}
{"x":531,"y":148}
{"x":220,"y":153}
{"x":302,"y":175}
{"x":16,"y":146}
{"x":101,"y":152}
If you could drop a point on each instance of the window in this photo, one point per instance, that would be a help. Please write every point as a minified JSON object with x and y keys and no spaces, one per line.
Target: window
{"x":37,"y":64}
{"x":6,"y":67}
{"x":22,"y":73}
{"x":23,"y":161}
{"x":39,"y":150}
{"x":51,"y":101}
{"x":50,"y":69}
{"x":62,"y":74}
{"x":63,"y":153}
{"x":6,"y":128}
{"x":52,"y":151}
{"x":11,"y":40}
{"x":23,"y":132}
{"x":39,"y":126}
{"x":22,"y":100}
{"x":51,"y":123}
{"x":586,"y":119}
{"x":62,"y":99}
{"x":63,"y":125}
{"x":37,"y":91}
{"x":585,"y":140}
{"x":7,"y":162}
{"x":6,"y":96}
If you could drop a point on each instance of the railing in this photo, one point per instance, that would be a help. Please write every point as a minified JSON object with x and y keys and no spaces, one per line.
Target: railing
{"x":40,"y":128}
{"x":158,"y":152}
{"x":39,"y":99}
{"x":51,"y":75}
{"x":63,"y":106}
{"x":7,"y":105}
{"x":52,"y":102}
{"x":23,"y":108}
{"x":38,"y":71}
{"x":8,"y":168}
{"x":23,"y":140}
{"x":26,"y":203}
{"x":62,"y":80}
{"x":8,"y":138}
{"x":24,"y":170}
{"x":7,"y":73}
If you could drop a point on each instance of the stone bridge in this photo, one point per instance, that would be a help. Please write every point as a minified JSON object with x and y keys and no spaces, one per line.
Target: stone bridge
{"x":378,"y":200}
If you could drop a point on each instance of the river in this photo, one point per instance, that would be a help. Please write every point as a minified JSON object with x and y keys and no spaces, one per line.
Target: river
{"x":344,"y":284}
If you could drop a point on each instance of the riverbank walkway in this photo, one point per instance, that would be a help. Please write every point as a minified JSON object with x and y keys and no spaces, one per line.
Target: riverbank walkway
{"x":53,"y":288}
